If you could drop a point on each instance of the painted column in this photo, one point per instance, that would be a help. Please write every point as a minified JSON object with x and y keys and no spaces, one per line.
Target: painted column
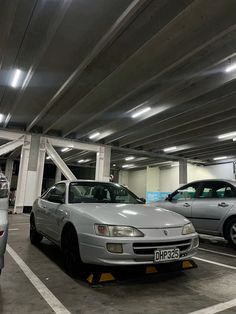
{"x":103,"y":164}
{"x":58,"y":175}
{"x":183,"y":172}
{"x":30,"y":177}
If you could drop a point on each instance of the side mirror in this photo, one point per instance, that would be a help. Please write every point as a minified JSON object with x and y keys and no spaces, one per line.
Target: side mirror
{"x":168,"y":198}
{"x":56,"y":199}
{"x":142,"y":200}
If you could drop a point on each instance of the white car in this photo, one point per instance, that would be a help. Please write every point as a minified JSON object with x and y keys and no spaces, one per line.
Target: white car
{"x":4,"y":193}
{"x":106,"y":224}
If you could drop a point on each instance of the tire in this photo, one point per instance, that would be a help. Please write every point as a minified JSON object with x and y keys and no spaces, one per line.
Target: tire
{"x":71,"y":255}
{"x":35,"y":237}
{"x":230,"y":232}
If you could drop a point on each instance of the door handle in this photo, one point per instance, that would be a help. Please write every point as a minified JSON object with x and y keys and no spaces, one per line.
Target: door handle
{"x":223,"y":204}
{"x":186,"y":205}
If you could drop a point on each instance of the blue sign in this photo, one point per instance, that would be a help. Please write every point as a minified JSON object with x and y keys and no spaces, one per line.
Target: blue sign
{"x":152,"y":197}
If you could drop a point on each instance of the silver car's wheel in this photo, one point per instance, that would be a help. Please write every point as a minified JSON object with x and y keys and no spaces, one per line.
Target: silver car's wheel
{"x":70,"y":248}
{"x":35,"y":237}
{"x":230,"y":232}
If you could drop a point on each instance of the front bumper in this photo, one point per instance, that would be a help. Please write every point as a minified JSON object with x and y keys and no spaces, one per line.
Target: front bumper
{"x":136,"y":251}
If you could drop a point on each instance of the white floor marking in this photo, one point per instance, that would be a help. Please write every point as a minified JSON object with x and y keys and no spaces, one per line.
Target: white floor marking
{"x":215,"y":263}
{"x":48,"y":296}
{"x":216,"y":308}
{"x":217,"y":252}
{"x":13,"y":229}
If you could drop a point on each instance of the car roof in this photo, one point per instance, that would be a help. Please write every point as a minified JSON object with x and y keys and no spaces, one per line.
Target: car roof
{"x":81,"y":180}
{"x":233,"y":182}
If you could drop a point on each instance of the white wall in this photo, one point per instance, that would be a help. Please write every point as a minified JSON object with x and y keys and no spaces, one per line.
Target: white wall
{"x":137,"y":182}
{"x":167,"y":179}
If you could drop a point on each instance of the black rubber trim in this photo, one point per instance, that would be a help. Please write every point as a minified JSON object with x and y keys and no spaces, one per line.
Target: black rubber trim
{"x":27,"y":209}
{"x":202,"y":218}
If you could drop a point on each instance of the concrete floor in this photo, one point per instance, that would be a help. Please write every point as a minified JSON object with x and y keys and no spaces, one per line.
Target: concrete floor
{"x":182,"y":292}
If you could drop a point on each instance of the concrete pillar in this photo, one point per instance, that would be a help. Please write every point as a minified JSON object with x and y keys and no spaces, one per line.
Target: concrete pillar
{"x":103,"y":164}
{"x":30,"y":177}
{"x":58,"y":175}
{"x":183,"y":172}
{"x":9,"y":169}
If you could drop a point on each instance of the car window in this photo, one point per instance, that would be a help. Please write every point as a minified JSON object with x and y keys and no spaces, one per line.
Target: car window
{"x":96,"y":192}
{"x":216,"y":189}
{"x":186,"y":192}
{"x":57,"y":190}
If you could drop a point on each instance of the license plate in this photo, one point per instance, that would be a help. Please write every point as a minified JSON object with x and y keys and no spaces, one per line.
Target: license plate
{"x":166,"y":255}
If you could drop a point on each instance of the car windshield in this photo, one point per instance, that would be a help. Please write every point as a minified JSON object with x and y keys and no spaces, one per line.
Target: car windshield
{"x":98,"y":192}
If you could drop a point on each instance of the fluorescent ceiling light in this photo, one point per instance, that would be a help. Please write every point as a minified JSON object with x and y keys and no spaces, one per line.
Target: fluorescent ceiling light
{"x":170,"y":149}
{"x":48,"y":157}
{"x":231,"y":134}
{"x":230,"y":68}
{"x":1,"y":117}
{"x":81,"y":161}
{"x":16,"y":78}
{"x":114,"y":165}
{"x":140,"y":112}
{"x":92,"y":136}
{"x":234,"y":139}
{"x":129,"y":158}
{"x":220,"y":158}
{"x":127,"y":166}
{"x":66,"y":149}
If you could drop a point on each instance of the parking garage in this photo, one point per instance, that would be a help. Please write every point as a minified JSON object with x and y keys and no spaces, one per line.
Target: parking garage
{"x":137,"y":95}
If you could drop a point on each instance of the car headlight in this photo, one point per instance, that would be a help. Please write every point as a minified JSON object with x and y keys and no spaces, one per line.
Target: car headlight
{"x":117,"y":231}
{"x":189,"y":228}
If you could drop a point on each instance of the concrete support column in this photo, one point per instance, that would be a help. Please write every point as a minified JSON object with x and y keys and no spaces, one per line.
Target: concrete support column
{"x":103,"y":164}
{"x":30,"y":175}
{"x":9,"y":169}
{"x":58,"y":175}
{"x":183,"y":172}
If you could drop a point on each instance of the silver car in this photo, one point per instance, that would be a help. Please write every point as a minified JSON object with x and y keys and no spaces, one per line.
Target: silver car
{"x":4,"y":192}
{"x":209,"y":204}
{"x":106,"y":224}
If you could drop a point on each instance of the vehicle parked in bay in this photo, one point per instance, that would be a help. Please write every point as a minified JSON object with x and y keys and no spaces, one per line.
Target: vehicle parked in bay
{"x":104,"y":223}
{"x":209,"y":204}
{"x":4,"y":193}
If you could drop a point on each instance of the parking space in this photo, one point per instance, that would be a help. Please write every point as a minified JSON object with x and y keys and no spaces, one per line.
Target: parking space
{"x":184,"y":292}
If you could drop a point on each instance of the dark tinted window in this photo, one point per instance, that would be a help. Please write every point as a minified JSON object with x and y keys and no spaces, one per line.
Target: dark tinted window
{"x":217,"y":189}
{"x":186,"y":192}
{"x":57,"y":190}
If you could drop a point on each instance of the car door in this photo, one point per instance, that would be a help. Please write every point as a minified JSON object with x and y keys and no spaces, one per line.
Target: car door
{"x":41,"y":213}
{"x":214,"y":200}
{"x":182,"y":199}
{"x":55,"y":210}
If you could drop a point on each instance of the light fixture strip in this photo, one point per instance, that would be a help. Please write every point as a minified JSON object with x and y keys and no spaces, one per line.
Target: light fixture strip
{"x":16,"y":78}
{"x":170,"y":149}
{"x":140,"y":112}
{"x":94,"y":135}
{"x":227,"y":135}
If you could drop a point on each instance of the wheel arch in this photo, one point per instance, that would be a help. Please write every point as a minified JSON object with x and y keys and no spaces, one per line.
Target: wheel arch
{"x":226,"y":223}
{"x":68,"y":226}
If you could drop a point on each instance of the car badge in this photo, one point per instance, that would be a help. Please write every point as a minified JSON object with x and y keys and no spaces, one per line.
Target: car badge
{"x":165,"y":232}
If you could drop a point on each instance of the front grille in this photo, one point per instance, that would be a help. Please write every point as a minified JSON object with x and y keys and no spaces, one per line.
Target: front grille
{"x":148,"y":248}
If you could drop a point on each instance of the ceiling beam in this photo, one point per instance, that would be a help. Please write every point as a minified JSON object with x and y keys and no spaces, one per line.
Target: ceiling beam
{"x":114,"y":30}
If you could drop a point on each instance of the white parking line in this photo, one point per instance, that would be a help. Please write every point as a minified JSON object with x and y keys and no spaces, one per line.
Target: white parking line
{"x":13,"y":229}
{"x":215,"y":263}
{"x":216,"y":308}
{"x":217,"y":252}
{"x":48,"y":296}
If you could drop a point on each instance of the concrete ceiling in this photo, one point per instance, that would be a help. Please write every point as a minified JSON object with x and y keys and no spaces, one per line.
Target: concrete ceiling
{"x":88,"y":66}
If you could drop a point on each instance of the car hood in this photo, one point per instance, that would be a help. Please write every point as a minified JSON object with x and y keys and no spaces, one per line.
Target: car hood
{"x":140,"y":216}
